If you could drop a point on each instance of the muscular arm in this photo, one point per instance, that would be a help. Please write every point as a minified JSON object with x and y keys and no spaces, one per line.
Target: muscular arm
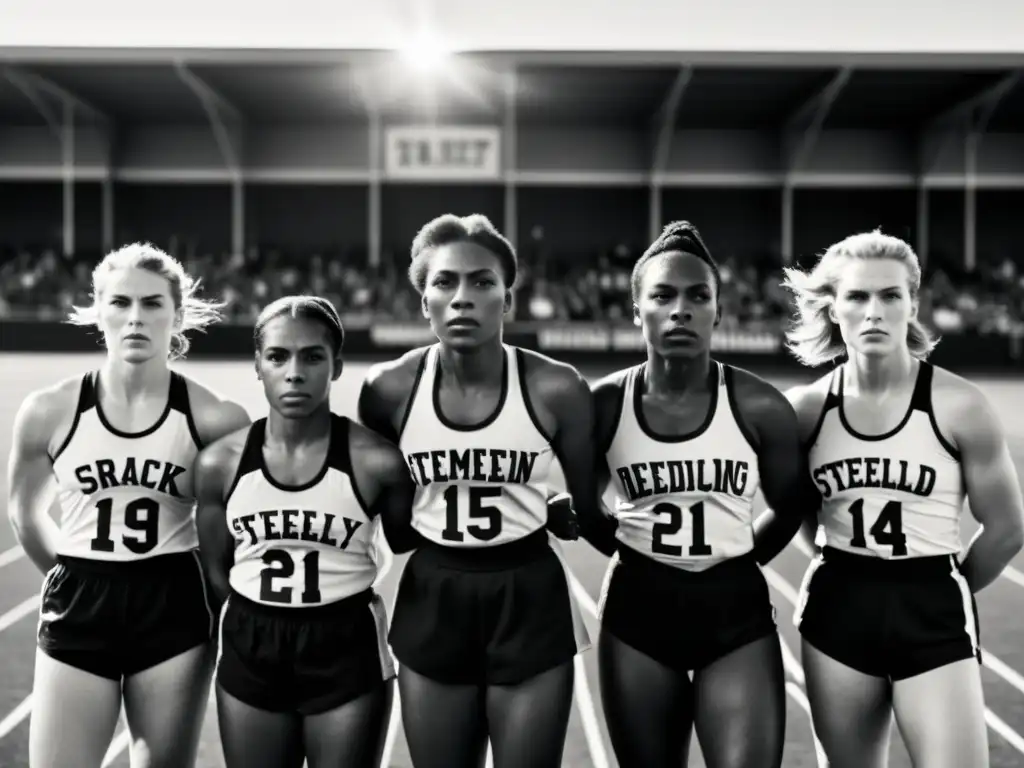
{"x":383,"y":480}
{"x":214,"y":465}
{"x":30,"y":482}
{"x":214,"y":416}
{"x":785,"y":481}
{"x":568,"y":397}
{"x":993,"y":489}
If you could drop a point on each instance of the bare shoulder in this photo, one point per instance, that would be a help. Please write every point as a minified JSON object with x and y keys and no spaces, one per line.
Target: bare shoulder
{"x":550,"y":378}
{"x":612,"y":384}
{"x":215,"y":416}
{"x":756,"y":393}
{"x":393,"y":380}
{"x":381,"y":456}
{"x":219,"y":460}
{"x":808,"y":400}
{"x":45,"y":416}
{"x":961,"y":407}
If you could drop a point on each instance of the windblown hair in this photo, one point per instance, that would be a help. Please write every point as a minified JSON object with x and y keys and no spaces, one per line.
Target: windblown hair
{"x":196,"y":313}
{"x":813,"y":338}
{"x":314,"y":308}
{"x":677,"y":236}
{"x":449,"y":228}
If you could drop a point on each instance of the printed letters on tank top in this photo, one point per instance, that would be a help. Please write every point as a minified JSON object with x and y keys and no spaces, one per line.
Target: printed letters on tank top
{"x":898,"y":494}
{"x":124,"y":496}
{"x":685,"y":501}
{"x":300,"y":545}
{"x":477,"y":485}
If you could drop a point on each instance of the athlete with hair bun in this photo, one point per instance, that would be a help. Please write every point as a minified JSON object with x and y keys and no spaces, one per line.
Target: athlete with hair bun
{"x":124,"y":616}
{"x":688,"y":635}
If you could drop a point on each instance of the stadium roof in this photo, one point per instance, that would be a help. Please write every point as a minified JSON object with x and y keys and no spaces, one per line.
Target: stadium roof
{"x":894,"y":26}
{"x":719,"y":91}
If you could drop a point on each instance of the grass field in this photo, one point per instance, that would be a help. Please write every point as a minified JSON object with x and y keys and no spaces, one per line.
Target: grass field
{"x":1001,"y":605}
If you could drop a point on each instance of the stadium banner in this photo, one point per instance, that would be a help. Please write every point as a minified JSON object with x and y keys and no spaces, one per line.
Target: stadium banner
{"x":442,"y":153}
{"x":583,"y":344}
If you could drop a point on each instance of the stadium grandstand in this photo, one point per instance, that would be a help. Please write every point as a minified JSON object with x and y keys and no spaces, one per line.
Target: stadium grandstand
{"x":294,"y":150}
{"x":270,"y":172}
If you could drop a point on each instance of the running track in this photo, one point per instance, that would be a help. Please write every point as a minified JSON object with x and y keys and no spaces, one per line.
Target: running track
{"x":1001,"y":605}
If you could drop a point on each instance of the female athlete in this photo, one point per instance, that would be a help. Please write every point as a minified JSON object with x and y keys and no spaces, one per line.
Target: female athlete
{"x":685,"y":442}
{"x":887,"y":611}
{"x":289,"y":509}
{"x":485,"y":627}
{"x":124,"y":617}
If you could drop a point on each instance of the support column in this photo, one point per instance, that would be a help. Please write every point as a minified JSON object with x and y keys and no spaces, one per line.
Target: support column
{"x":67,"y":144}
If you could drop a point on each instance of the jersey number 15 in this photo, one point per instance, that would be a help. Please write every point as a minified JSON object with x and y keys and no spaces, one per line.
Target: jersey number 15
{"x":478,"y":509}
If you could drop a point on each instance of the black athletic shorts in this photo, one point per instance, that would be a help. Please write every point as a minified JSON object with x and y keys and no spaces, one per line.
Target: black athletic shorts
{"x":115,"y":619}
{"x":888,"y":618}
{"x":487,"y":615}
{"x":685,"y":620}
{"x":306,"y":660}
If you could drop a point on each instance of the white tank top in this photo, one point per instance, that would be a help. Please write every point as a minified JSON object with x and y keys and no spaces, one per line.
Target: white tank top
{"x":686,"y":502}
{"x":300,"y":545}
{"x":895,"y":495}
{"x":482,"y":485}
{"x":127,"y":496}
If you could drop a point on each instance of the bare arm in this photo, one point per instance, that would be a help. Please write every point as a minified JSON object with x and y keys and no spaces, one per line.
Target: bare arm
{"x":213,"y":467}
{"x":570,"y":401}
{"x":214,"y":416}
{"x":785,"y":480}
{"x":387,"y":489}
{"x":993,"y":490}
{"x":30,"y":482}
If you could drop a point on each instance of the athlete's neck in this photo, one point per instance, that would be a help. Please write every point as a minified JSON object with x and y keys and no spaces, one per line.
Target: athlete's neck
{"x":298,"y":433}
{"x":877,"y":374}
{"x":124,"y":382}
{"x":673,"y":375}
{"x":479,"y":365}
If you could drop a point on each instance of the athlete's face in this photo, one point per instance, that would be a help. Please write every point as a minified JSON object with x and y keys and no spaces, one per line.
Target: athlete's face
{"x":677,"y":307}
{"x":296,"y":365}
{"x":873,"y":305}
{"x":136,"y":314}
{"x":464,"y":296}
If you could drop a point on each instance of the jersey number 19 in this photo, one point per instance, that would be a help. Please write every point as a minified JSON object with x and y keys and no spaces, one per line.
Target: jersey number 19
{"x":142,"y":515}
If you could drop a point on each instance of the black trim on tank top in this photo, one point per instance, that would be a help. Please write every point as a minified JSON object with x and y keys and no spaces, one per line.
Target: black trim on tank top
{"x":729,"y":373}
{"x":341,"y":457}
{"x":84,"y":399}
{"x":436,"y":397}
{"x":620,"y":400}
{"x":181,"y":402}
{"x":638,"y":407}
{"x":132,"y":435}
{"x":915,"y":399}
{"x":831,"y":401}
{"x":926,"y":404}
{"x":420,"y":368}
{"x":320,"y":475}
{"x":251,"y":457}
{"x":524,"y":393}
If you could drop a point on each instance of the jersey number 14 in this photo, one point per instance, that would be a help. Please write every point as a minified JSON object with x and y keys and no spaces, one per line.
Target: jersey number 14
{"x":887,"y":530}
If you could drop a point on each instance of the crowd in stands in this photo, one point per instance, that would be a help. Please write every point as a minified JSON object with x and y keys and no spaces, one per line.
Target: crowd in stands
{"x":44,"y":284}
